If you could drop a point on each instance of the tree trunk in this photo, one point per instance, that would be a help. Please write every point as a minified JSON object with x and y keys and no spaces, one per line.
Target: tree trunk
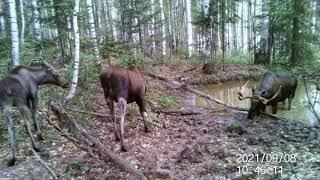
{"x":93,"y":33}
{"x":2,"y":22}
{"x":36,"y":23}
{"x":295,"y":33}
{"x":153,"y":44}
{"x":73,"y":88}
{"x":14,"y":32}
{"x":22,"y":22}
{"x":189,"y":32}
{"x":163,"y":29}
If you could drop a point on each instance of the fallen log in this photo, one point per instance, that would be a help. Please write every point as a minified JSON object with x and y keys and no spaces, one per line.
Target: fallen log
{"x":194,"y":91}
{"x":205,"y":96}
{"x":105,"y":153}
{"x":179,"y":112}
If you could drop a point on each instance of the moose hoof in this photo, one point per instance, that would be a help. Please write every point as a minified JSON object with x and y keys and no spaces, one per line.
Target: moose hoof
{"x":11,"y":162}
{"x":39,"y":137}
{"x":147,"y":129}
{"x":124,"y":148}
{"x":117,"y":136}
{"x":37,"y":149}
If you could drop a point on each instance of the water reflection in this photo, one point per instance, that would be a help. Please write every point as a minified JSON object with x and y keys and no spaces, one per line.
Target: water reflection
{"x":227,"y":92}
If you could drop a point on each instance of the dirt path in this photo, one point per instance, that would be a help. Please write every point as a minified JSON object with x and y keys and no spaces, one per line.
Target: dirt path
{"x":210,"y":145}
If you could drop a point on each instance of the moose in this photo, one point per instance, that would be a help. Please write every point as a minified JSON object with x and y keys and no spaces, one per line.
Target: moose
{"x":124,"y":86}
{"x":273,"y":88}
{"x":20,"y":89}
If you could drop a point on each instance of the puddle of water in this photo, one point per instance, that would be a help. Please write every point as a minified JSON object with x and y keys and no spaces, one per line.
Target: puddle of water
{"x":227,"y":92}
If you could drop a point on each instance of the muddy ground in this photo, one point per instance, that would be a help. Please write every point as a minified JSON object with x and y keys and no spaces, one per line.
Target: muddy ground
{"x":211,"y":145}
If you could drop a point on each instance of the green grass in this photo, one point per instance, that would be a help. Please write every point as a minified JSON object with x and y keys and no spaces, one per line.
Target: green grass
{"x":163,"y":100}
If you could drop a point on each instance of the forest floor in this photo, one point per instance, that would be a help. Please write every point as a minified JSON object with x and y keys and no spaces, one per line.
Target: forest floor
{"x":213,"y":144}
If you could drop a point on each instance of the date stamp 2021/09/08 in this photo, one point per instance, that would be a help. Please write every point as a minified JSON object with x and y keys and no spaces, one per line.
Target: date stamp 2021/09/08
{"x":264,"y":163}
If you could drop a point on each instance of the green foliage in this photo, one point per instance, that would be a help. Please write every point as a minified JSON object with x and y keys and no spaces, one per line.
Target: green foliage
{"x":163,"y":100}
{"x":131,"y":59}
{"x":168,"y":101}
{"x":235,"y":127}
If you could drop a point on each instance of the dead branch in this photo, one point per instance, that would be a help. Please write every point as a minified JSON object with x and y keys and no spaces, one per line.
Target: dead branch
{"x":191,"y":69}
{"x":309,"y":100}
{"x":44,"y":163}
{"x":179,"y":112}
{"x":86,"y":112}
{"x":105,"y":153}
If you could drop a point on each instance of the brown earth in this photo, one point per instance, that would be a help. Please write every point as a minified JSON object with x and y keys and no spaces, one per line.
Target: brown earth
{"x":202,"y":146}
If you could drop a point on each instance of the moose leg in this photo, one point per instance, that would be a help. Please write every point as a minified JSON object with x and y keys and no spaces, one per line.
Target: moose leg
{"x":122,"y":106}
{"x":274,"y":108}
{"x":35,"y":117}
{"x":24,"y":114}
{"x":7,"y":111}
{"x":290,"y":100}
{"x":111,"y":108}
{"x":142,"y":107}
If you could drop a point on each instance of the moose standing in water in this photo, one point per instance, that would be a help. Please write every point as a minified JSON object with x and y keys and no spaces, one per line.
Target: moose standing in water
{"x":20,"y":89}
{"x":273,"y":88}
{"x":124,"y":86}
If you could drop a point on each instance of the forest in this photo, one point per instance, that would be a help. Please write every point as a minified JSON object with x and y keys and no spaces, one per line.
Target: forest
{"x":160,"y":89}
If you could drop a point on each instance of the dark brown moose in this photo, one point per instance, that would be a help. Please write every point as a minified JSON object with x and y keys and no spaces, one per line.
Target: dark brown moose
{"x":124,"y":86}
{"x":20,"y":89}
{"x":273,"y":88}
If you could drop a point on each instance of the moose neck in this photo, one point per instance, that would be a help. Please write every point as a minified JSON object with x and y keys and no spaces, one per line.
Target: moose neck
{"x":40,"y":77}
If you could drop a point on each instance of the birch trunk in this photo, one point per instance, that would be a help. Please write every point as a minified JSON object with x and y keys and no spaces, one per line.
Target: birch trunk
{"x":92,"y":30}
{"x":163,"y":29}
{"x":76,"y":52}
{"x":2,"y":22}
{"x":36,"y":24}
{"x":153,"y":45}
{"x":14,"y":32}
{"x":189,"y":29}
{"x":113,"y":18}
{"x":22,"y":21}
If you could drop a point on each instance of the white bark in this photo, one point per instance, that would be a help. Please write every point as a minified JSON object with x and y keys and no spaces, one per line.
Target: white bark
{"x":2,"y":22}
{"x":114,"y":17}
{"x":153,"y":45}
{"x":22,"y":21}
{"x":92,"y":29}
{"x":54,"y":31}
{"x":73,"y":88}
{"x":189,"y":28}
{"x":36,"y":24}
{"x":163,"y":29}
{"x":14,"y":32}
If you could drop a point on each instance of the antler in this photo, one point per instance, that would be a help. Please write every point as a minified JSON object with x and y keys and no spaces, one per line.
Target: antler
{"x":265,"y":101}
{"x":240,"y":93}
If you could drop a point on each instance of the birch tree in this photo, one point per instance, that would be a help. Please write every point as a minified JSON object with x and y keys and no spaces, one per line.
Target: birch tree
{"x":73,"y":88}
{"x":189,"y":33}
{"x":2,"y":23}
{"x":152,"y":32}
{"x":92,"y":29}
{"x":36,"y":23}
{"x":14,"y":32}
{"x":163,"y":29}
{"x":22,"y":21}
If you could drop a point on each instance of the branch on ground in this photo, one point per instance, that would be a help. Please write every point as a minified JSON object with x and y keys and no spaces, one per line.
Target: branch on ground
{"x":105,"y":153}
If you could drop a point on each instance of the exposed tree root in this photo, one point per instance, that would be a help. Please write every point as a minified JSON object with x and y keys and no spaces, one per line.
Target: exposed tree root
{"x":105,"y":153}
